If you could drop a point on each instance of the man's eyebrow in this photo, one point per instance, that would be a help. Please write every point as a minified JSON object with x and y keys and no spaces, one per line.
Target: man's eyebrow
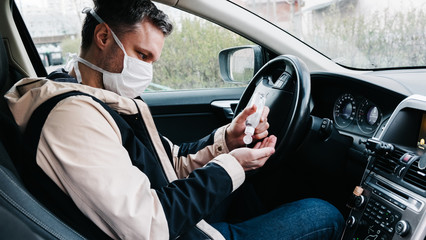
{"x":145,"y":51}
{"x":149,"y":54}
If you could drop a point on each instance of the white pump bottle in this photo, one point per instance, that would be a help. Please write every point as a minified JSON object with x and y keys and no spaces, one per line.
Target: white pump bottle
{"x":252,"y":121}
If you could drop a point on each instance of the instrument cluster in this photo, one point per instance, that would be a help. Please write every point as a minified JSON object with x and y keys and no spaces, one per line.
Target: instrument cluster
{"x":357,"y":113}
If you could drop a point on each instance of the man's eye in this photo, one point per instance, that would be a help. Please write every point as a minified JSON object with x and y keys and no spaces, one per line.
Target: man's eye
{"x":142,"y":56}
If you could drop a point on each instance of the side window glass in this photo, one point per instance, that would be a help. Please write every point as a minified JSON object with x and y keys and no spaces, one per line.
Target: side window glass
{"x":190,"y":55}
{"x":55,"y":27}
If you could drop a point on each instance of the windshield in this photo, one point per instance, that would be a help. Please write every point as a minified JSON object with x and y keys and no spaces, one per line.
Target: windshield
{"x":362,"y":34}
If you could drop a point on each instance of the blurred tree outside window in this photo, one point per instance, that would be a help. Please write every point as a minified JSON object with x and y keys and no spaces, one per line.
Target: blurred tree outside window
{"x":190,"y":55}
{"x":361,"y":34}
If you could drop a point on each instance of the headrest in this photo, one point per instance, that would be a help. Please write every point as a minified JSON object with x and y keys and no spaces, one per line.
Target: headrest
{"x":4,"y":64}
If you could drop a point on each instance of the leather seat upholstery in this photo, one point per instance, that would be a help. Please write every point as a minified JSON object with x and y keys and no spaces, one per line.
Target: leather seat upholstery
{"x":25,"y":216}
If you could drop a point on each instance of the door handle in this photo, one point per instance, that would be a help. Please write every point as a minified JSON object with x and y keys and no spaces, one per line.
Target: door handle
{"x":227,"y":106}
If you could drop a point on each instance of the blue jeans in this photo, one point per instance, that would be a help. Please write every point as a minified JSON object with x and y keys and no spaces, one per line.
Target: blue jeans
{"x":304,"y":219}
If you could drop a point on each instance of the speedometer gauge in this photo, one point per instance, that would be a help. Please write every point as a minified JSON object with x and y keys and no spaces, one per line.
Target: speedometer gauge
{"x":369,"y":117}
{"x":344,"y":110}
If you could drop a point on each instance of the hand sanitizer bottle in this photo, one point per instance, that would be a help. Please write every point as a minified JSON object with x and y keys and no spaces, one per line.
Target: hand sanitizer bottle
{"x":252,"y":121}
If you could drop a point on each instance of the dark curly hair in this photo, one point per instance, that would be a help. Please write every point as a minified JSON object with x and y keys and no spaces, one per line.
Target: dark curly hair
{"x":122,"y":15}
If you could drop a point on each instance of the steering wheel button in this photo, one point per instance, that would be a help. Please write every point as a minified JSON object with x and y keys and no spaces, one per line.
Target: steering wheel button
{"x":279,"y":84}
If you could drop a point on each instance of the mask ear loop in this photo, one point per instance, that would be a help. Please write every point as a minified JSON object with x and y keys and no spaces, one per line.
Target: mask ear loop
{"x":77,"y":72}
{"x":72,"y":57}
{"x":88,"y":10}
{"x":73,"y":64}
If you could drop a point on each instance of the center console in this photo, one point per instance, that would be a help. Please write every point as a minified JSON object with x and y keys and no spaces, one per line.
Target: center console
{"x":390,"y":202}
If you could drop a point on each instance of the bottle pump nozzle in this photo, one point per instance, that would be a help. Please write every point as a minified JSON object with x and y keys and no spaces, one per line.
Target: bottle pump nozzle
{"x":248,"y":138}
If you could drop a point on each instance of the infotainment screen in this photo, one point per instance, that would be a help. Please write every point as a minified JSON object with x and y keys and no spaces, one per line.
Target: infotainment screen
{"x":407,"y":129}
{"x":422,"y":133}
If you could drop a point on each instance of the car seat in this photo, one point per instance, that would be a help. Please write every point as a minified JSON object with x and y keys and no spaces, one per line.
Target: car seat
{"x":27,"y":218}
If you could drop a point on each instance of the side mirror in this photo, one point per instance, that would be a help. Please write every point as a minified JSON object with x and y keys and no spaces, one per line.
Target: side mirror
{"x":239,"y":64}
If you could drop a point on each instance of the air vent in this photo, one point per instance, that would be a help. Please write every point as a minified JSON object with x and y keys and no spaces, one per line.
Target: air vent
{"x":386,"y":165}
{"x":415,"y":176}
{"x":389,"y":163}
{"x":396,"y":154}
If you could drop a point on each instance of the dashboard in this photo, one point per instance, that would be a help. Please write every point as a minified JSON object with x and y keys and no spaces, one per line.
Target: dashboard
{"x":391,"y":200}
{"x":390,"y":131}
{"x":357,"y":114}
{"x":356,"y":107}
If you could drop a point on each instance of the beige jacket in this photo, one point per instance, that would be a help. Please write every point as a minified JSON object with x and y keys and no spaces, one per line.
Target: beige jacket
{"x":113,"y":193}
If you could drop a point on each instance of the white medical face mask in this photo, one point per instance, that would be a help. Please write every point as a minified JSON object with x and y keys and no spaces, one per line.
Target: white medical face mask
{"x":133,"y":79}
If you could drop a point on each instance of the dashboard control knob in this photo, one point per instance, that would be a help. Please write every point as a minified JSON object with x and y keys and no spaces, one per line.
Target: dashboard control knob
{"x":326,"y":128}
{"x":401,"y":171}
{"x":422,"y":162}
{"x":402,"y":228}
{"x":351,"y":221}
{"x":359,"y":201}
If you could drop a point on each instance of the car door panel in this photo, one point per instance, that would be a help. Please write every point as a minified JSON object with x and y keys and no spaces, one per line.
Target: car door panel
{"x":185,"y":116}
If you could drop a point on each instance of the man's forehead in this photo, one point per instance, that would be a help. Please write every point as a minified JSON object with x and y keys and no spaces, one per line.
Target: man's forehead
{"x":145,"y":36}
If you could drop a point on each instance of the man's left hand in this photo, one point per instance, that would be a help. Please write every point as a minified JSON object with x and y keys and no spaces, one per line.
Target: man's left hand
{"x":235,"y":132}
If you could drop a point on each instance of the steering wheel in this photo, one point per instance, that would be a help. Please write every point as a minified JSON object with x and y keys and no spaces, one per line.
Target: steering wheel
{"x":286,"y":82}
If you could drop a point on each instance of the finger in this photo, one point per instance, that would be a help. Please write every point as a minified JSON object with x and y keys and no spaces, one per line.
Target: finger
{"x":268,"y":142}
{"x":257,"y":145}
{"x":260,"y":135}
{"x":265,"y":114}
{"x":262,"y":127}
{"x":242,"y":117}
{"x":272,"y":141}
{"x":263,"y":152}
{"x":261,"y":144}
{"x":265,"y":142}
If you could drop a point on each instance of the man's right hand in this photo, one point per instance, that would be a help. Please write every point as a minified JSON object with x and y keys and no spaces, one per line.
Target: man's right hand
{"x":253,"y":158}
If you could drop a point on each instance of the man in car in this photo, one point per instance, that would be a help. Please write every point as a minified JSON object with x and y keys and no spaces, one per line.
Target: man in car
{"x":96,"y":148}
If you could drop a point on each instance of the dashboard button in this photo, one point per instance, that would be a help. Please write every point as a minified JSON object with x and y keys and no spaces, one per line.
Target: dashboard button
{"x":351,"y":221}
{"x":406,"y":157}
{"x":402,"y":228}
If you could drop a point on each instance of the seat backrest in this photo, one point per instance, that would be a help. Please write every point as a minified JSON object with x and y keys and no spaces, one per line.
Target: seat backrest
{"x":19,"y":203}
{"x":9,"y":221}
{"x":4,"y":63}
{"x":4,"y":74}
{"x":32,"y":219}
{"x":9,"y":134}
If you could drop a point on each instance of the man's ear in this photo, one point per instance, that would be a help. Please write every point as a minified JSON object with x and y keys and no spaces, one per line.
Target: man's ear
{"x":102,"y":36}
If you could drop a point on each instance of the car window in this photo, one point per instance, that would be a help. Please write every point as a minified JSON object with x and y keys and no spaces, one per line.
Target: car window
{"x":190,"y":55}
{"x":54,"y":27}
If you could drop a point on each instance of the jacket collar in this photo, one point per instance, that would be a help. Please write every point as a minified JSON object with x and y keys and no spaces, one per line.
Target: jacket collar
{"x":29,"y":93}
